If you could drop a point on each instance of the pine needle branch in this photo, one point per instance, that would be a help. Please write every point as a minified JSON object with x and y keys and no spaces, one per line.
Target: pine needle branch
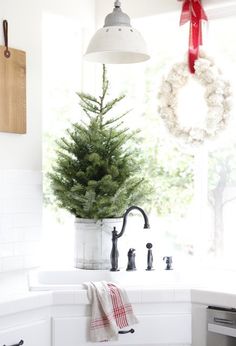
{"x":113,"y":120}
{"x":111,"y":104}
{"x":84,"y":96}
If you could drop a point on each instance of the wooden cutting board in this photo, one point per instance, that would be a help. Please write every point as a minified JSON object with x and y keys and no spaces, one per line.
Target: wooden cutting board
{"x":12,"y":91}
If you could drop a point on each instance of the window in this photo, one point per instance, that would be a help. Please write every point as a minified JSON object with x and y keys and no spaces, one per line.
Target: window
{"x":192,"y":213}
{"x":62,"y":77}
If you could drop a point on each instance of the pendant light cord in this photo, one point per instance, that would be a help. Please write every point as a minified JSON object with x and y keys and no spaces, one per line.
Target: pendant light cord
{"x":117,"y":4}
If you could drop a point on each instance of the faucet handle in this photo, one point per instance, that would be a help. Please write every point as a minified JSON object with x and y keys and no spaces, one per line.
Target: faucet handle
{"x":149,"y":245}
{"x":131,"y":260}
{"x":168,"y":262}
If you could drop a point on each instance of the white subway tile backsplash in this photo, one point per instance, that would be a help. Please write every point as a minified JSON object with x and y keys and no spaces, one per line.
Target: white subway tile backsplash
{"x":31,"y":261}
{"x":13,"y":177}
{"x":6,"y":249}
{"x":12,"y":263}
{"x":10,"y":235}
{"x":27,"y":219}
{"x":1,"y":204}
{"x":31,"y":233}
{"x":6,"y":221}
{"x":27,"y":205}
{"x":20,"y":218}
{"x":28,"y":248}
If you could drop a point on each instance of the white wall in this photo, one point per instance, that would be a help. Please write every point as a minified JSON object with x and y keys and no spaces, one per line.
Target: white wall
{"x":143,"y":8}
{"x":24,"y":20}
{"x":21,"y":155}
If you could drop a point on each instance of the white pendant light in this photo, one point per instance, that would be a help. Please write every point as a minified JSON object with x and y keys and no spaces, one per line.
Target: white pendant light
{"x":117,"y":42}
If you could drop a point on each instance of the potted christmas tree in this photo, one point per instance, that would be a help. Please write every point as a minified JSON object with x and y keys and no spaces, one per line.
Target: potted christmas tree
{"x":95,"y":177}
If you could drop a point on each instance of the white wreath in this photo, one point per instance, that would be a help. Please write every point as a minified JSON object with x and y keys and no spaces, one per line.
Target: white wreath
{"x":218,"y":97}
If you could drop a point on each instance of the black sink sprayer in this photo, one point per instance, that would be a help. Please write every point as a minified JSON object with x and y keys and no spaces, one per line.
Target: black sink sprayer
{"x":149,"y":257}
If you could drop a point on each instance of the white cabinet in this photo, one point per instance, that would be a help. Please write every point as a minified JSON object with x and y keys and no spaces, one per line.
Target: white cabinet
{"x":33,"y":334}
{"x":63,"y":319}
{"x":36,"y":333}
{"x":163,"y":329}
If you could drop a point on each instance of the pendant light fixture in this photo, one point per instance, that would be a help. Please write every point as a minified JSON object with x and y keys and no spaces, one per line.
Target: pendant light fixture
{"x":117,"y":42}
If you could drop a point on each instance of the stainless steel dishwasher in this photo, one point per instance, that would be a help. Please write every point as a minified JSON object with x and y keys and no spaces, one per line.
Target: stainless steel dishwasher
{"x":221,"y":326}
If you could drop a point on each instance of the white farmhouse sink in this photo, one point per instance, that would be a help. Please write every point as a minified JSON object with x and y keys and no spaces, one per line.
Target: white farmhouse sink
{"x":74,"y":278}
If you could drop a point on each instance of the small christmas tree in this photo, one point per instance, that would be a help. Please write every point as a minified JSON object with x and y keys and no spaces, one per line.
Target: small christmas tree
{"x":96,"y":172}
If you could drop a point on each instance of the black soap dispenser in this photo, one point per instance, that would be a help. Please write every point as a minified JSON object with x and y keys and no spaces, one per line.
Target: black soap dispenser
{"x":169,"y":261}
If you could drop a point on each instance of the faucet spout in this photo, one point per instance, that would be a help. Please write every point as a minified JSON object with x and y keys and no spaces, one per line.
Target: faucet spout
{"x":146,"y":222}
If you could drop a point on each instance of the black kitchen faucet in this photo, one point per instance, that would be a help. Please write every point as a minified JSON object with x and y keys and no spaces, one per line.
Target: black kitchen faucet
{"x":116,"y":236}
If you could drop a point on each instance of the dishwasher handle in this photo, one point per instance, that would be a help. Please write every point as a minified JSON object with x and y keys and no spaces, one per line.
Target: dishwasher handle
{"x":223,"y":321}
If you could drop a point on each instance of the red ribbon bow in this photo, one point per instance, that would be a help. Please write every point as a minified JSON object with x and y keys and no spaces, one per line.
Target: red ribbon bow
{"x":193,"y":12}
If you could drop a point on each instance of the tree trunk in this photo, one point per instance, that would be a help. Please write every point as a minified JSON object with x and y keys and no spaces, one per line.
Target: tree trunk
{"x":218,"y":238}
{"x":218,"y":195}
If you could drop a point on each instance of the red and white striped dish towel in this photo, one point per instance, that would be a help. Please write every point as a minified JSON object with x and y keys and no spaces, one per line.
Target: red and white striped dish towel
{"x":111,"y":310}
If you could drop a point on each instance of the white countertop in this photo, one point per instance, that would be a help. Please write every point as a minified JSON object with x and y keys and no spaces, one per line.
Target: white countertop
{"x":25,"y":302}
{"x":15,"y":296}
{"x":37,"y":300}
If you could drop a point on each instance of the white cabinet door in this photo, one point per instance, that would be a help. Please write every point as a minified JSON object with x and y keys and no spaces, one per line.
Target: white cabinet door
{"x":163,"y":329}
{"x":33,"y":334}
